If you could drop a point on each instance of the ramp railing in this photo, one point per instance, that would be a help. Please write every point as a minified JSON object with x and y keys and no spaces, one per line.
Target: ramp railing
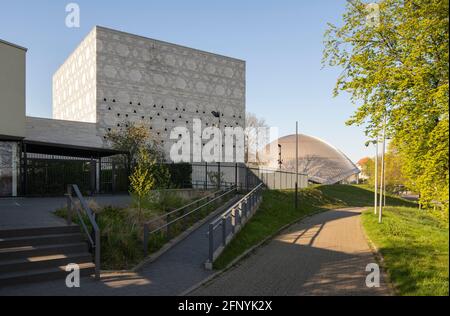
{"x":225,"y":227}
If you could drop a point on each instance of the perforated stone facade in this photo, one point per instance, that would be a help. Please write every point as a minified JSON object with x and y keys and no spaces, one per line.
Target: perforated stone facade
{"x":148,"y":81}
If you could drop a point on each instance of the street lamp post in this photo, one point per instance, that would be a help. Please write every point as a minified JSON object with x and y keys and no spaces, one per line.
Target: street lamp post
{"x":296,"y":165}
{"x":375,"y":142}
{"x":376,"y":175}
{"x":383,"y":184}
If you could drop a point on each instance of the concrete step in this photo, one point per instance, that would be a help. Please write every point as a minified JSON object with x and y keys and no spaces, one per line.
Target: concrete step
{"x":44,"y":250}
{"x":42,"y":275}
{"x":43,"y":262}
{"x":22,"y":232}
{"x":53,"y":239}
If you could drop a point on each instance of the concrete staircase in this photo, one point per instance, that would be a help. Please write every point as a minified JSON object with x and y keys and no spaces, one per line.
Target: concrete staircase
{"x":41,"y":254}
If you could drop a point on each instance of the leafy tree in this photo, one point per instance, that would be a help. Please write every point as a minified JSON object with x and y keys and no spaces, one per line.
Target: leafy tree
{"x":395,"y":179}
{"x":141,"y":179}
{"x":130,"y":139}
{"x":134,"y":138}
{"x":396,"y":69}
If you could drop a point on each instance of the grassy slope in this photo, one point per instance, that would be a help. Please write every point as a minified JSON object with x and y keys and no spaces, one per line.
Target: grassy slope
{"x":354,"y":195}
{"x":415,"y":249}
{"x":277,"y":210}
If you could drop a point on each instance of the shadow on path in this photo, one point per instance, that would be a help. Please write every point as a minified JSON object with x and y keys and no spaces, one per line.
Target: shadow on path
{"x":326,"y":254}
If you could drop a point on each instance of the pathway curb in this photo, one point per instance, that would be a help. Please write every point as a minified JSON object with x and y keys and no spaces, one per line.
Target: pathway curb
{"x":249,"y":251}
{"x":380,"y":259}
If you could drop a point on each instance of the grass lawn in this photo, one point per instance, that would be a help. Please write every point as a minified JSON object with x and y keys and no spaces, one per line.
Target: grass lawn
{"x":359,"y":195}
{"x":277,"y":210}
{"x":415,"y":249}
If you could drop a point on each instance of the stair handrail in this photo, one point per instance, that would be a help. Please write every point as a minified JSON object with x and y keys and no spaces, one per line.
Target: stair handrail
{"x":95,"y":240}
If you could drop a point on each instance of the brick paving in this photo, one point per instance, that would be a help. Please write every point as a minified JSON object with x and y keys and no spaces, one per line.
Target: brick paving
{"x":326,"y":254}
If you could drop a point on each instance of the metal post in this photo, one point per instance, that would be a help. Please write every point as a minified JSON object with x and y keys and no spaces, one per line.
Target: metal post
{"x":233,"y":221}
{"x":380,"y":214}
{"x":384,"y":181}
{"x":93,"y":171}
{"x":224,"y":231}
{"x":206,"y":176}
{"x":113,"y":177}
{"x":97,"y":255}
{"x":219,"y":180}
{"x":69,"y":205}
{"x":376,"y":176}
{"x":211,"y":243}
{"x":25,"y":170}
{"x":296,"y":165}
{"x":246,"y":178}
{"x":100,"y":174}
{"x":236,"y":175}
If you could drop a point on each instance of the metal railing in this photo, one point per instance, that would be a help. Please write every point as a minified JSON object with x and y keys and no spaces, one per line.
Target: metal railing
{"x":183,"y":213}
{"x":200,"y":184}
{"x":231,"y":222}
{"x":92,"y":236}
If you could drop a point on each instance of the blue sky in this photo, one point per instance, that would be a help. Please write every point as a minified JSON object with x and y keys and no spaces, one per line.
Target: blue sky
{"x":282,"y":42}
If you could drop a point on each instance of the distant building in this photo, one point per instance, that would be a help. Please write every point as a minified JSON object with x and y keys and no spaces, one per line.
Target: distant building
{"x":322,"y":162}
{"x":361,"y":164}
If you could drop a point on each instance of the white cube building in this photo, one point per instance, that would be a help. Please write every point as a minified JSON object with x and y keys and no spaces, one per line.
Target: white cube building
{"x":113,"y":78}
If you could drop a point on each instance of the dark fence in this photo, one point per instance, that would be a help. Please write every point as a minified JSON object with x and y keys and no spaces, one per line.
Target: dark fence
{"x":49,"y":175}
{"x":242,"y":176}
{"x":113,"y":175}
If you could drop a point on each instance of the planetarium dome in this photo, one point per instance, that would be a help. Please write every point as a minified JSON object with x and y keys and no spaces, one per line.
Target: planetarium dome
{"x":322,"y":162}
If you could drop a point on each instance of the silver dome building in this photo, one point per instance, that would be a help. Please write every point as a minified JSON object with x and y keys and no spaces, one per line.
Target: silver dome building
{"x":322,"y":162}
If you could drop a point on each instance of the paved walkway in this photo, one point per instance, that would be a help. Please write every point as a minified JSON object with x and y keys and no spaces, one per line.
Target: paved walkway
{"x":38,"y":212}
{"x":171,"y":274}
{"x":325,"y":254}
